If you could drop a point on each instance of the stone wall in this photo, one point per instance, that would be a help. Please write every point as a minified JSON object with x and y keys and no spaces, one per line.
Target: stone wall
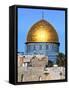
{"x":37,"y":70}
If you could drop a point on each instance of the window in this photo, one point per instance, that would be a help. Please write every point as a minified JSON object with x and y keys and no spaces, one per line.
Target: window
{"x":34,"y":48}
{"x":46,"y":47}
{"x":28,"y":47}
{"x":40,"y":47}
{"x":54,"y":47}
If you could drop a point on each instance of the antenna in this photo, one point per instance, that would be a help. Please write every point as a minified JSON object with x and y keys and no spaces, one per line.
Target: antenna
{"x":42,"y":14}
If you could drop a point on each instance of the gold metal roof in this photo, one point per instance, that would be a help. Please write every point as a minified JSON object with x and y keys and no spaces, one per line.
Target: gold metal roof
{"x":42,"y":31}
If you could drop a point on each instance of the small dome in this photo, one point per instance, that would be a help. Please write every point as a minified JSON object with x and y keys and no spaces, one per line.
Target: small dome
{"x":42,"y":31}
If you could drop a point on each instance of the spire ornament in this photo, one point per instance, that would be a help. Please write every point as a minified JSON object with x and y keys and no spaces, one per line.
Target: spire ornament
{"x":42,"y":14}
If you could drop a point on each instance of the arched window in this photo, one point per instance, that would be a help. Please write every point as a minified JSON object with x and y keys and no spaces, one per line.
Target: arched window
{"x":40,"y":47}
{"x":28,"y":47}
{"x":46,"y":47}
{"x":54,"y":47}
{"x":34,"y":48}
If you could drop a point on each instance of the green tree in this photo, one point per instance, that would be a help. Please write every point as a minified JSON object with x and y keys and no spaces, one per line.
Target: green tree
{"x":60,"y":59}
{"x":50,"y":63}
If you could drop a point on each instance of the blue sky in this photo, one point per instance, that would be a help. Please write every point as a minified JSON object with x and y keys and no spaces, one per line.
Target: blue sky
{"x":28,"y":17}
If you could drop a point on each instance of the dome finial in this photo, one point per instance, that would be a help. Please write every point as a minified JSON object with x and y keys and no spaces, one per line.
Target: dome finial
{"x":42,"y":14}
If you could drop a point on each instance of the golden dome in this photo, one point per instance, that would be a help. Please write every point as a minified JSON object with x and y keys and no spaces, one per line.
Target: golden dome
{"x":42,"y":31}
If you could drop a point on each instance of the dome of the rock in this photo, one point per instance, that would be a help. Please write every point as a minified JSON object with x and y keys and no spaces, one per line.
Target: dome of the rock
{"x":42,"y":31}
{"x":42,"y":39}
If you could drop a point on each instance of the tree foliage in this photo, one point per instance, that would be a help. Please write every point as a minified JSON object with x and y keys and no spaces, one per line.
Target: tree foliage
{"x":50,"y":63}
{"x":60,"y":59}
